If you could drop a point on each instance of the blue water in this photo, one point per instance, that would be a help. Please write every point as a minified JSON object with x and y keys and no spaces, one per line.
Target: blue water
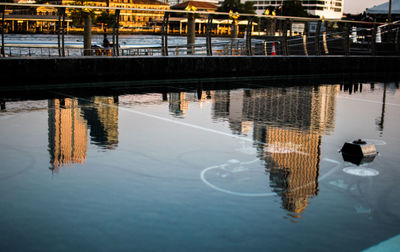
{"x":74,"y":42}
{"x":239,"y":169}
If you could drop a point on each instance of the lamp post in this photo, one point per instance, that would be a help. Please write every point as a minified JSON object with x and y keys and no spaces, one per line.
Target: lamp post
{"x":390,"y":11}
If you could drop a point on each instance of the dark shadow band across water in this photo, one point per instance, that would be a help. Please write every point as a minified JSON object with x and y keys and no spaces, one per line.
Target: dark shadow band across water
{"x":88,"y":89}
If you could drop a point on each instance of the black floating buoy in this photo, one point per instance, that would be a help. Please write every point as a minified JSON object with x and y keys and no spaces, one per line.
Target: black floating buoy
{"x":358,"y":152}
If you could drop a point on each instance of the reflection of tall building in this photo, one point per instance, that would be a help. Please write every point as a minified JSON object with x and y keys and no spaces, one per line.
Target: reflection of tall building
{"x":228,"y":105}
{"x":221,"y":104}
{"x":67,"y":133}
{"x":179,"y":102}
{"x":101,"y":114}
{"x":287,"y":126}
{"x":178,"y":105}
{"x":292,"y":158}
{"x":68,"y":128}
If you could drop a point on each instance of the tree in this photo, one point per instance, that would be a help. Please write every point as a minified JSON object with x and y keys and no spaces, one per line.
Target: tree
{"x":292,"y":8}
{"x":236,"y":6}
{"x":105,"y":18}
{"x":77,"y":15}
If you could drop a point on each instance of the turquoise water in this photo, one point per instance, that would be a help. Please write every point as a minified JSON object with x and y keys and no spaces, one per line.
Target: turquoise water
{"x":200,"y":170}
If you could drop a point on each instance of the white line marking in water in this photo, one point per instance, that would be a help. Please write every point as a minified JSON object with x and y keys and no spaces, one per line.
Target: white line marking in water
{"x":186,"y":124}
{"x":202,"y":177}
{"x":165,"y":119}
{"x":370,"y":101}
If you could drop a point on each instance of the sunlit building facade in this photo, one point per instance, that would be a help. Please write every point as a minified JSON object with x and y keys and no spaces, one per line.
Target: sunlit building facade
{"x":322,"y":8}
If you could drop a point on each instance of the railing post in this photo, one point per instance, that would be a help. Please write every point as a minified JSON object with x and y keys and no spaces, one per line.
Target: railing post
{"x":373,"y":40}
{"x":346,"y":39}
{"x":164,"y":35}
{"x":191,"y":33}
{"x":317,"y":38}
{"x":208,"y":40}
{"x":396,"y":40}
{"x":285,"y":39}
{"x":248,"y":37}
{"x":305,"y":37}
{"x":324,"y":38}
{"x":116,"y":33}
{"x":87,"y":37}
{"x":63,"y":33}
{"x":58,"y":32}
{"x":3,"y":51}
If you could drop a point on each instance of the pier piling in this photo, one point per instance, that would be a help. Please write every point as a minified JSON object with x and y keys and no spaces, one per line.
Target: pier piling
{"x":87,"y":36}
{"x":191,"y":33}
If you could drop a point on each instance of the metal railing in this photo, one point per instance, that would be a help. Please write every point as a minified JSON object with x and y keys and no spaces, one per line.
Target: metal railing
{"x":262,"y":35}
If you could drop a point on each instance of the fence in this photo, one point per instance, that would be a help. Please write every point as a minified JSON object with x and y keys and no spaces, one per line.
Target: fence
{"x":257,"y":35}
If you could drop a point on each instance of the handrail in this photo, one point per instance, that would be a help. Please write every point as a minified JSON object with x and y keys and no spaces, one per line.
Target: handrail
{"x":305,"y":19}
{"x":369,"y":41}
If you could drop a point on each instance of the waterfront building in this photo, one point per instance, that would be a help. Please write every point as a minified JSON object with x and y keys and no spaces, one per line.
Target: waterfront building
{"x":128,"y":19}
{"x":45,"y":19}
{"x":322,"y":8}
{"x":139,"y":19}
{"x":177,"y":2}
{"x":32,"y":20}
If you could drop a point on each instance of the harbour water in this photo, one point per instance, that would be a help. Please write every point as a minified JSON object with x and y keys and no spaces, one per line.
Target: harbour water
{"x":248,"y":168}
{"x":18,"y":44}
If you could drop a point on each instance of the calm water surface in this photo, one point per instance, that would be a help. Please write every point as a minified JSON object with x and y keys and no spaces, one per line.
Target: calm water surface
{"x":233,"y":170}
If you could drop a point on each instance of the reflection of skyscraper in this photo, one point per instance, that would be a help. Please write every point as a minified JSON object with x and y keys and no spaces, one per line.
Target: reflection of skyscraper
{"x":288,"y":125}
{"x":101,"y":114}
{"x":178,"y":105}
{"x":67,"y":133}
{"x":228,"y":105}
{"x":221,"y":104}
{"x":292,"y":158}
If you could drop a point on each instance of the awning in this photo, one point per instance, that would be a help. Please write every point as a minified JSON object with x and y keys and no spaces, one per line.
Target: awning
{"x":384,"y":8}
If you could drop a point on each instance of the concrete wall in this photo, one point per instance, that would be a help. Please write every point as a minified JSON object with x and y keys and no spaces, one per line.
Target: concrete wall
{"x":31,"y":71}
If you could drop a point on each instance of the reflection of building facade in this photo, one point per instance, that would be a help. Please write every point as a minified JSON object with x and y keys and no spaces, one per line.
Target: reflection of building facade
{"x":178,"y":105}
{"x":67,"y":133}
{"x":292,"y":122}
{"x":101,"y":114}
{"x":69,"y":120}
{"x":292,"y":158}
{"x":287,"y":126}
{"x":179,"y":102}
